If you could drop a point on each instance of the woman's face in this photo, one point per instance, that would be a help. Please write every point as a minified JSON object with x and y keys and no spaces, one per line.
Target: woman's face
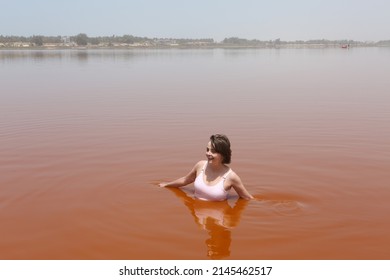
{"x":212,"y":155}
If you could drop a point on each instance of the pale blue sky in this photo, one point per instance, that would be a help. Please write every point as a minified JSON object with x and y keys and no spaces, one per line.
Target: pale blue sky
{"x":360,"y":20}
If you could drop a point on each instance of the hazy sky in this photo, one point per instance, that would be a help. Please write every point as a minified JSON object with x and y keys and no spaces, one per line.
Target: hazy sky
{"x":362,"y":20}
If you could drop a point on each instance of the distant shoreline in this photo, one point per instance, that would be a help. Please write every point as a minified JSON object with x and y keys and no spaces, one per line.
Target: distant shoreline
{"x":82,"y":41}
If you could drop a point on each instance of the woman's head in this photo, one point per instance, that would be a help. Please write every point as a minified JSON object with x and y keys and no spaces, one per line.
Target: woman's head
{"x":221,"y":145}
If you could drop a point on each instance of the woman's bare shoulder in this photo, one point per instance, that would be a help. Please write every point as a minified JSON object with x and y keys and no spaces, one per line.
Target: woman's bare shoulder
{"x":234,"y":178}
{"x":199,"y":165}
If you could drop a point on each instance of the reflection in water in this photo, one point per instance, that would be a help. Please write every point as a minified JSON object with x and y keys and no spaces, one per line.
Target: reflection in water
{"x":81,"y":56}
{"x":101,"y":54}
{"x":217,"y":218}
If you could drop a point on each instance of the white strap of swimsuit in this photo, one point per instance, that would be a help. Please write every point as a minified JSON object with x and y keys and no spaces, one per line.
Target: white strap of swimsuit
{"x":226,"y":174}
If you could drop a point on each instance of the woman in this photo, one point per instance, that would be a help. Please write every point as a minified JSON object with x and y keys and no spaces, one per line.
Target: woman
{"x":212,"y":178}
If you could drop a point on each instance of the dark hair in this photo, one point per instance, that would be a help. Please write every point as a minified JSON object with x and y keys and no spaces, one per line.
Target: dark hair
{"x":221,"y":145}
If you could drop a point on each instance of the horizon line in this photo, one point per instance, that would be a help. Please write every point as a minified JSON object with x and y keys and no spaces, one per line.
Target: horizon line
{"x":198,"y":38}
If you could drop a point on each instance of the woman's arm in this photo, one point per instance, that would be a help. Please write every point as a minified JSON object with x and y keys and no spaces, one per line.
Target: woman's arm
{"x":183,"y":181}
{"x":238,"y":186}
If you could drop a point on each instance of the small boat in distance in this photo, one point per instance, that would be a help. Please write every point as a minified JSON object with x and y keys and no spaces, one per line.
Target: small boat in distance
{"x":345,"y":46}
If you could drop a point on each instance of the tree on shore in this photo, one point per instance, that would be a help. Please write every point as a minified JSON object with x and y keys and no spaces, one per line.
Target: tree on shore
{"x":94,"y":41}
{"x":81,"y":39}
{"x":37,"y":40}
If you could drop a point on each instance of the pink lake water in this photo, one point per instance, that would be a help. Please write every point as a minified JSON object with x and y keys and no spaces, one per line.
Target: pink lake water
{"x":85,"y":135}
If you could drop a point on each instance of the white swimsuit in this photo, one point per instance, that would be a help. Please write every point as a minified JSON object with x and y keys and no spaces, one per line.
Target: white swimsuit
{"x":215,"y":192}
